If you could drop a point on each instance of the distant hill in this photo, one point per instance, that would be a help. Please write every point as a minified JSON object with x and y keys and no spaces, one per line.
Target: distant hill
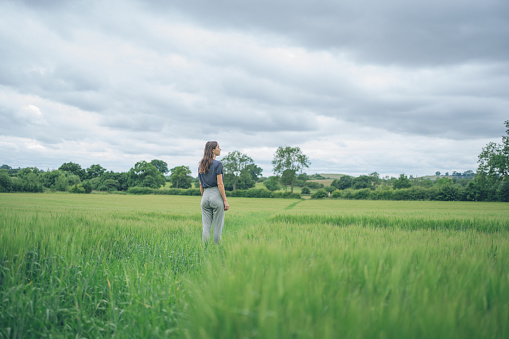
{"x":332,"y":175}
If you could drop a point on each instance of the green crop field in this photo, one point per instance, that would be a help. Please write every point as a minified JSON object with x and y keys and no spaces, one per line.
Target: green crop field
{"x":124,"y":266}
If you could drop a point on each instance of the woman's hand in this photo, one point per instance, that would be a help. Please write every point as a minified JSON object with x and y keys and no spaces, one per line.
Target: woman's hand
{"x":226,"y":206}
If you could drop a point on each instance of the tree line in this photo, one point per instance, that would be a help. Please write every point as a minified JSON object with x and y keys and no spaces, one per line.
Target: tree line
{"x":489,"y":183}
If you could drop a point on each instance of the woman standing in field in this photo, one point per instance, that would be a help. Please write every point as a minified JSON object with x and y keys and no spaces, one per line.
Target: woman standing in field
{"x":213,"y":201}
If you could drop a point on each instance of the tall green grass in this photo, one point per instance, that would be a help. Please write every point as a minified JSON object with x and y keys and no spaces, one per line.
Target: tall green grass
{"x":134,"y":266}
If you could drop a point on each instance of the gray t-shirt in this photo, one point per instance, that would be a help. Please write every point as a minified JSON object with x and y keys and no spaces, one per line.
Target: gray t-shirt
{"x":209,"y":179}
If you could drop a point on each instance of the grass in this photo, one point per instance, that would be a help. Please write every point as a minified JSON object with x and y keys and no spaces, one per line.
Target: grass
{"x":134,"y":266}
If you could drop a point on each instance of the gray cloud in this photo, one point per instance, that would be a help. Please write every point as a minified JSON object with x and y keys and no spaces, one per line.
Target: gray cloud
{"x":124,"y":80}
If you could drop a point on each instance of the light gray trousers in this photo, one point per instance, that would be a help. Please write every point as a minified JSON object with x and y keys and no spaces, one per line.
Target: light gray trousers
{"x":212,"y":212}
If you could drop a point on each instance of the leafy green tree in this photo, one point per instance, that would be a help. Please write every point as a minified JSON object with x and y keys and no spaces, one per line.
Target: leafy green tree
{"x":30,"y":180}
{"x":144,"y":174}
{"x":272,"y":184}
{"x":493,"y":165}
{"x":95,"y":171}
{"x":49,"y":178}
{"x":289,"y":158}
{"x":362,"y":181}
{"x":74,"y":168}
{"x":402,"y":182}
{"x":234,"y":164}
{"x":343,"y":183}
{"x":287,"y":178}
{"x":5,"y":181}
{"x":181,"y":177}
{"x":161,"y":166}
{"x":243,"y":182}
{"x":503,"y":190}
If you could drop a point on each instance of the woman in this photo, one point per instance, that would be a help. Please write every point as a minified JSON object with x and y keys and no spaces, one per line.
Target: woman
{"x":213,"y":201}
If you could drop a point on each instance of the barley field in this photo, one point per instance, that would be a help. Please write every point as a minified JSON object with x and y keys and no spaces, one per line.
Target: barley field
{"x":124,"y":266}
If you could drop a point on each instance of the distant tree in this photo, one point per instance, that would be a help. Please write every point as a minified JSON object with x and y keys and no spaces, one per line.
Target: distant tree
{"x":5,"y":181}
{"x":402,"y":182}
{"x":494,"y":159}
{"x":29,"y":180}
{"x":49,"y":178}
{"x":181,"y":177}
{"x":235,"y":163}
{"x":362,"y":181}
{"x":272,"y":183}
{"x":437,"y":173}
{"x":343,"y":183}
{"x":289,"y":158}
{"x":73,"y":168}
{"x":144,"y":174}
{"x":161,"y":166}
{"x":95,"y":171}
{"x":5,"y":167}
{"x":446,"y":174}
{"x":305,"y":190}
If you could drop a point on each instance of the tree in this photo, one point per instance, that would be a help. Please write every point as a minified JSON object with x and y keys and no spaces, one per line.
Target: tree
{"x":145,"y":174}
{"x":180,"y":177}
{"x":73,"y":168}
{"x":29,"y":180}
{"x":437,"y":173}
{"x":343,"y":183}
{"x":272,"y":183}
{"x":493,"y":168}
{"x":494,"y":158}
{"x":362,"y":181}
{"x":95,"y":171}
{"x":5,"y":181}
{"x":289,"y":158}
{"x":161,"y":166}
{"x":402,"y":182}
{"x":235,"y":163}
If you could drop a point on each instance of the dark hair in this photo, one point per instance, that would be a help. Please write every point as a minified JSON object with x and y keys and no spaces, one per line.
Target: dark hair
{"x":208,"y":156}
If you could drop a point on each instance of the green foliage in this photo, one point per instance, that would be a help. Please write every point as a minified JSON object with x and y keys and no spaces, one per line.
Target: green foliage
{"x":161,"y":166}
{"x":237,"y":164}
{"x":144,"y":174}
{"x":272,"y":183}
{"x":181,"y":177}
{"x":305,"y":190}
{"x":289,"y":159}
{"x":343,"y":183}
{"x":320,"y":194}
{"x":75,"y":169}
{"x":314,"y":185}
{"x":95,"y":171}
{"x":5,"y":181}
{"x":77,"y":188}
{"x":29,"y":180}
{"x":503,"y":190}
{"x":402,"y":182}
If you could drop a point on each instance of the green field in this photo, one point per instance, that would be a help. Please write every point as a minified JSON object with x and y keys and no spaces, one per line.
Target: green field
{"x":129,"y":266}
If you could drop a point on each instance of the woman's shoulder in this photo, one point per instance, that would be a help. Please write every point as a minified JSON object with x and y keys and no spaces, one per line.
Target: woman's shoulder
{"x":217,"y":162}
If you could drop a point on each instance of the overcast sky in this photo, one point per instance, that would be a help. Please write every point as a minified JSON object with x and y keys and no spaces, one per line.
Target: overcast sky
{"x":360,"y":86}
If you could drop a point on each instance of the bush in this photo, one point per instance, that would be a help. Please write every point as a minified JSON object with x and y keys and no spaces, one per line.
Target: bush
{"x":336,"y":195}
{"x":305,"y":190}
{"x":140,"y":190}
{"x":320,"y":194}
{"x":362,"y":194}
{"x":76,"y":188}
{"x":314,"y":185}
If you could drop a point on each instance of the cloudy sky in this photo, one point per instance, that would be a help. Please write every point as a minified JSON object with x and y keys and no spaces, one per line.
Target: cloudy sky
{"x":360,"y":86}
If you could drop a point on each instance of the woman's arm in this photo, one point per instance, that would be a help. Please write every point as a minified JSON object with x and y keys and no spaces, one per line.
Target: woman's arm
{"x":220,"y":185}
{"x":201,"y":189}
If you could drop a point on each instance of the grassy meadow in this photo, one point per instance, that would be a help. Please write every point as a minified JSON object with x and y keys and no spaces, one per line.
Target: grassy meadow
{"x":125,"y":266}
